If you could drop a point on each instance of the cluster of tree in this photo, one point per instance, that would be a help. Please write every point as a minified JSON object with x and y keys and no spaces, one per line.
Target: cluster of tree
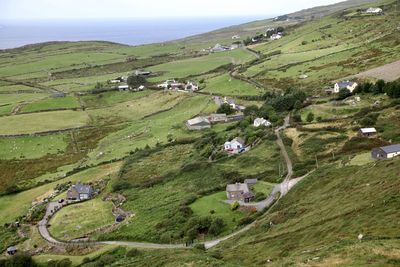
{"x":261,"y":37}
{"x":392,"y":89}
{"x":203,"y":225}
{"x":226,"y":109}
{"x":18,"y":260}
{"x":136,"y":80}
{"x":291,"y":99}
{"x":266,"y":111}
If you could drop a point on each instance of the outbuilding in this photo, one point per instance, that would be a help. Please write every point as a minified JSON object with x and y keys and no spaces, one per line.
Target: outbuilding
{"x":367,"y":132}
{"x":386,"y":152}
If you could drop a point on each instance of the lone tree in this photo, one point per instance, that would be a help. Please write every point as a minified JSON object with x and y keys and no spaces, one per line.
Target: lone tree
{"x":225,"y":108}
{"x":310,"y":117}
{"x":135,"y":80}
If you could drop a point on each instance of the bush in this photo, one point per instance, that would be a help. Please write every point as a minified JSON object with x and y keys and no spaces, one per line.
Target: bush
{"x":235,"y":205}
{"x":245,"y":221}
{"x":132,"y":253}
{"x":64,"y":263}
{"x":200,"y":247}
{"x":217,"y":226}
{"x":310,"y":117}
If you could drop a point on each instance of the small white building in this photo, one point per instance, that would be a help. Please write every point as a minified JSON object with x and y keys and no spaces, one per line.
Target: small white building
{"x":115,"y":81}
{"x":191,"y":86}
{"x":374,"y":10}
{"x":351,"y":86}
{"x":235,"y":37}
{"x":198,"y":123}
{"x":234,"y":146}
{"x":261,"y":122}
{"x":367,"y":132}
{"x":276,"y":36}
{"x":166,"y":84}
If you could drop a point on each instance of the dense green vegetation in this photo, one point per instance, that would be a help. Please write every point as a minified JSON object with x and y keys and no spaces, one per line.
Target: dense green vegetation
{"x":172,"y":180}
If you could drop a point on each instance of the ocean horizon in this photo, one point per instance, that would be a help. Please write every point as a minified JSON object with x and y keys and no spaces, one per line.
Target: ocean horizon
{"x":125,"y":31}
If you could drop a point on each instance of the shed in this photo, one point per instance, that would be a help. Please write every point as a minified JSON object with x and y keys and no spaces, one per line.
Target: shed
{"x":386,"y":152}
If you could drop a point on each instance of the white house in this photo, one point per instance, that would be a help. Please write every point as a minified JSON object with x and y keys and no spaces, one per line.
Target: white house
{"x":166,"y":84}
{"x":235,"y":37}
{"x":191,"y":86}
{"x":219,"y":48}
{"x":234,"y":146}
{"x":374,"y":10}
{"x":276,"y":36}
{"x":367,"y":132}
{"x":344,"y":85}
{"x":115,"y":81}
{"x":198,"y":123}
{"x":261,"y":121}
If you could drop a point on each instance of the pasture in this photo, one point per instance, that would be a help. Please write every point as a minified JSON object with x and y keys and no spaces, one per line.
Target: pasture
{"x":42,"y":122}
{"x":76,"y":220}
{"x":68,"y":102}
{"x":228,"y":86}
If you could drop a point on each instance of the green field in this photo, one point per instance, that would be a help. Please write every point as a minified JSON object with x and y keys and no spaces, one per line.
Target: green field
{"x":42,"y":122}
{"x":16,"y":205}
{"x":68,"y":102}
{"x":31,"y":147}
{"x":79,"y":219}
{"x":214,"y":202}
{"x":199,"y":65}
{"x":226,"y":85}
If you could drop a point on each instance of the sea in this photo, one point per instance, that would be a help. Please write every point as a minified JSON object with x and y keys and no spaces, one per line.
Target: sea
{"x":125,"y":31}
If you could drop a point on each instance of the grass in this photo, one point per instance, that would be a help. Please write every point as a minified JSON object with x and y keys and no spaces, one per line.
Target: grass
{"x":323,"y":216}
{"x":68,"y":102}
{"x":361,"y":159}
{"x":42,"y":122}
{"x":263,"y":187}
{"x":111,"y":98}
{"x":226,"y":85}
{"x":31,"y":147}
{"x":204,"y":205}
{"x":16,"y":205}
{"x":76,"y":220}
{"x":199,"y":65}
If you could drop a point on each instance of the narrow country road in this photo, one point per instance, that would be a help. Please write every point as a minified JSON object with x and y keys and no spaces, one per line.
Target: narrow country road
{"x":282,"y":188}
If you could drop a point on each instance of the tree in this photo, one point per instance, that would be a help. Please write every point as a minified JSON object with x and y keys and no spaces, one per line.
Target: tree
{"x":226,"y":109}
{"x":310,"y":117}
{"x":343,"y":94}
{"x":136,"y":80}
{"x":217,"y":226}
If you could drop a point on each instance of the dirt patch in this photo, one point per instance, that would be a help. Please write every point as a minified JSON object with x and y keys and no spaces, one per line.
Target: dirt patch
{"x":388,"y":72}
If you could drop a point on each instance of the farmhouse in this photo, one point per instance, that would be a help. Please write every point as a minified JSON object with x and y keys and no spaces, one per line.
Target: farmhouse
{"x":234,"y":146}
{"x":142,"y":73}
{"x":342,"y":85}
{"x":386,"y":152}
{"x":166,"y":84}
{"x":191,"y":86}
{"x":250,"y":182}
{"x":374,"y":10}
{"x":235,"y":37}
{"x":219,"y":48}
{"x":239,"y":192}
{"x":367,"y":132}
{"x":80,"y":192}
{"x":198,"y":123}
{"x":217,"y":117}
{"x":261,"y":121}
{"x":11,"y":250}
{"x":276,"y":36}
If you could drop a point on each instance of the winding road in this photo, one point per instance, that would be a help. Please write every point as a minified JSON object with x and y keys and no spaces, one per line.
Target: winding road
{"x":282,"y":188}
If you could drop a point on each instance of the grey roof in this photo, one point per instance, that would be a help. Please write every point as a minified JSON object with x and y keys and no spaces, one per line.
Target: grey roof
{"x":198,"y":120}
{"x":239,"y":140}
{"x":250,"y":181}
{"x":391,"y":149}
{"x":12,"y":248}
{"x":82,"y":188}
{"x":237,"y":187}
{"x":344,"y":84}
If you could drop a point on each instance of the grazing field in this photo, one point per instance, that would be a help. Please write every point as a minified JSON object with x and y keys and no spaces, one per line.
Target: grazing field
{"x":226,"y":85}
{"x":361,"y":159}
{"x":31,"y":147}
{"x":111,"y":98}
{"x":76,"y":220}
{"x":68,"y":102}
{"x":16,"y":205}
{"x":263,"y":187}
{"x":213,"y":206}
{"x":199,"y":65}
{"x":42,"y":122}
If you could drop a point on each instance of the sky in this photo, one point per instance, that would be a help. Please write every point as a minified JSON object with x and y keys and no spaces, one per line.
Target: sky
{"x":104,"y":9}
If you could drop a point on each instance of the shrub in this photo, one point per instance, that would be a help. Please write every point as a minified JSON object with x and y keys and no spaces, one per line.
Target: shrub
{"x":217,"y":226}
{"x":310,"y":117}
{"x":235,"y":205}
{"x":132,"y":253}
{"x":245,"y":220}
{"x":200,"y":247}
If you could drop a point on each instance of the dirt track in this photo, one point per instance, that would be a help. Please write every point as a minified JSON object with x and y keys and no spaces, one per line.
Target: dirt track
{"x":388,"y":72}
